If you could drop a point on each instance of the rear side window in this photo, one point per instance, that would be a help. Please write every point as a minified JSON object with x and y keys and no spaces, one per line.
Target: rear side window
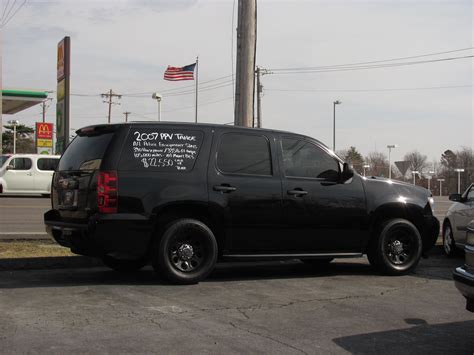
{"x":161,"y":149}
{"x":21,"y":164}
{"x":85,"y":152}
{"x":47,"y":164}
{"x":303,"y":159}
{"x":244,"y":154}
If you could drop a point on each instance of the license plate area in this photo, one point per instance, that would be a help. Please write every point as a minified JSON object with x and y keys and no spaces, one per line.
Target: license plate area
{"x":67,"y":200}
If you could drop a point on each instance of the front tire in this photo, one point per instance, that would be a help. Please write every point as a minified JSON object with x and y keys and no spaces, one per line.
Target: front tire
{"x":124,"y":265}
{"x":186,"y":253}
{"x":449,"y":246}
{"x":397,"y":249}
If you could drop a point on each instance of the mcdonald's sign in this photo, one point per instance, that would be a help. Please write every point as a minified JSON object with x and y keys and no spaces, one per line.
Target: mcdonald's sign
{"x":44,"y":130}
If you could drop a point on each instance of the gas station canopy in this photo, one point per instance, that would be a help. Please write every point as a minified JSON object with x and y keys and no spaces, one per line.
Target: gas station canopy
{"x":14,"y":101}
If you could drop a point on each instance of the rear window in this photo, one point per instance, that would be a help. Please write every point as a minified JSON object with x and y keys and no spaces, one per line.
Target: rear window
{"x":160,"y":149}
{"x":47,"y":164}
{"x":85,"y":152}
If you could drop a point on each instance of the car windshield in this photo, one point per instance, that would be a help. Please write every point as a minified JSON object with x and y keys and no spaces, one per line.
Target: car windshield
{"x":3,"y":159}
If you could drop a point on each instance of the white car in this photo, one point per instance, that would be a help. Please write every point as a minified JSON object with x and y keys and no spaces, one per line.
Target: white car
{"x":457,"y":219}
{"x":27,"y":173}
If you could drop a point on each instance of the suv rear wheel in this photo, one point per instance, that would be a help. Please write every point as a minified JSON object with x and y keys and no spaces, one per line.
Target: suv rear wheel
{"x":397,"y":250}
{"x":186,"y":253}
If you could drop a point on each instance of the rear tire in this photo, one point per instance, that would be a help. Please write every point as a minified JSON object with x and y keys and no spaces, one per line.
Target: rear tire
{"x":124,"y":265}
{"x":186,"y":253}
{"x":397,"y":248}
{"x":449,"y":246}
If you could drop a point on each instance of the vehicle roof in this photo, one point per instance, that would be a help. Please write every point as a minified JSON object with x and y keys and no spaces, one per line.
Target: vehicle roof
{"x":210,"y":125}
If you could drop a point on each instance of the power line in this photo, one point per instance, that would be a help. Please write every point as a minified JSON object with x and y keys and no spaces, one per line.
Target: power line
{"x":372,"y":90}
{"x":372,"y":62}
{"x":310,"y":71}
{"x":5,"y":22}
{"x":109,"y":100}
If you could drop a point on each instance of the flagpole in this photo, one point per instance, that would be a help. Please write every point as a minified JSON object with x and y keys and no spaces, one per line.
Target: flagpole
{"x":196,"y":89}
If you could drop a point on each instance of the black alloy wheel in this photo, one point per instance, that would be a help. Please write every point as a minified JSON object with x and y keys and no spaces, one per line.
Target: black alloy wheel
{"x":186,"y":253}
{"x":397,"y":250}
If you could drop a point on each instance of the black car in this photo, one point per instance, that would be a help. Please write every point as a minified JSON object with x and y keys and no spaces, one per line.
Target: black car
{"x":184,"y":196}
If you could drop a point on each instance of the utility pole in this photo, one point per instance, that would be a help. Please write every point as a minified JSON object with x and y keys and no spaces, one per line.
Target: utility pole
{"x":45,"y":107}
{"x":110,"y":95}
{"x":259,"y":98}
{"x":245,"y":66}
{"x":126,"y":113}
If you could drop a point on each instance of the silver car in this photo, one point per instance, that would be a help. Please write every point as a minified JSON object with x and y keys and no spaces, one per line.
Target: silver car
{"x":455,"y":223}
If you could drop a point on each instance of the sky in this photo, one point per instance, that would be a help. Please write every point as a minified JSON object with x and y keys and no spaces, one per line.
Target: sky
{"x":126,"y":46}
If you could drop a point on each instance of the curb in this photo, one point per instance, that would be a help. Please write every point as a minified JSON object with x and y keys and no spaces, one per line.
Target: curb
{"x":57,"y":262}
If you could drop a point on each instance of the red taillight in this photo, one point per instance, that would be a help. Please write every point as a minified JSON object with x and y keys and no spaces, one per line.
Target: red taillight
{"x":107,"y":192}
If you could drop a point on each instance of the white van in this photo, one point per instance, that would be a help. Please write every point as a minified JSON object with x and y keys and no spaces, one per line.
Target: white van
{"x":27,"y":173}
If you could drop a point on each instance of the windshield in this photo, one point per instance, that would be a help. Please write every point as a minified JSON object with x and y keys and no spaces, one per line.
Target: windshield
{"x":3,"y":159}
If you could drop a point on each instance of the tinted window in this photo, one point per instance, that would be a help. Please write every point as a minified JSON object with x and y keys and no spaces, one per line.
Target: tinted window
{"x":21,"y":164}
{"x":303,"y":159}
{"x":85,"y":152}
{"x":244,"y":154}
{"x":470,"y":195}
{"x":161,"y":149}
{"x":47,"y":163}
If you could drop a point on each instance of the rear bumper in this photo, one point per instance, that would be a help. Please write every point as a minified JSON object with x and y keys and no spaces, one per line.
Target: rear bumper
{"x":123,"y":235}
{"x":464,"y":281}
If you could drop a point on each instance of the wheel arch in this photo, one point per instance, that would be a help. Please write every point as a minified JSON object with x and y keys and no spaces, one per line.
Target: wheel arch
{"x":410,"y":212}
{"x":196,"y":210}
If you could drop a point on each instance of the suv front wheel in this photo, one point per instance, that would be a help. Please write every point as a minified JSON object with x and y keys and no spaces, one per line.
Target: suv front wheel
{"x":397,"y":250}
{"x":186,"y":253}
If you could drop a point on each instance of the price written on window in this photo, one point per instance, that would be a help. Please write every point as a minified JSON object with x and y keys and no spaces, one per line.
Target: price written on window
{"x":163,"y":150}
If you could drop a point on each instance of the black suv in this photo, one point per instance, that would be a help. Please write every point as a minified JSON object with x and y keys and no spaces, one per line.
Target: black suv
{"x":184,"y":196}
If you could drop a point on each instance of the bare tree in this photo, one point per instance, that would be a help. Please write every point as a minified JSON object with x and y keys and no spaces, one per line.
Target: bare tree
{"x":378,"y":163}
{"x":462,"y":159}
{"x":418,"y":161}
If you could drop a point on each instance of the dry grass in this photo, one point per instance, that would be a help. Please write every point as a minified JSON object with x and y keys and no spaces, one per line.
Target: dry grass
{"x":31,"y":249}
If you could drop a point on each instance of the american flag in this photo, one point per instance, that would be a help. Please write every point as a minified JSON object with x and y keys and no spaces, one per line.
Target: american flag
{"x":180,"y":73}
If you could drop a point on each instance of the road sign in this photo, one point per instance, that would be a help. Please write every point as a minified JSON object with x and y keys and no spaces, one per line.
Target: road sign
{"x":402,"y":166}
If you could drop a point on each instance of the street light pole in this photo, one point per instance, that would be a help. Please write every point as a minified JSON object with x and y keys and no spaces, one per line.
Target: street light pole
{"x":459,"y":171}
{"x":441,"y":186}
{"x":414,"y":172}
{"x":430,"y":176}
{"x":365,"y":166}
{"x":14,"y":123}
{"x":390,"y":147}
{"x":337,"y":102}
{"x":158,"y":98}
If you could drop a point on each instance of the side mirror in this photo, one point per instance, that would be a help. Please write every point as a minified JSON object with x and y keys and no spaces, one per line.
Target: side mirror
{"x":9,"y":167}
{"x":455,"y":197}
{"x":347,"y":172}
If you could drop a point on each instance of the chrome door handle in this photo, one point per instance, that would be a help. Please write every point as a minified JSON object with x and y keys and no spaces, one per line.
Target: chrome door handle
{"x":297,"y":192}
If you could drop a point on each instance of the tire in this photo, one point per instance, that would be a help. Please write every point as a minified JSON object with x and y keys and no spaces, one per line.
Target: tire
{"x":397,"y":248}
{"x":449,"y":246}
{"x":186,"y":253}
{"x":318,"y":263}
{"x":124,"y":265}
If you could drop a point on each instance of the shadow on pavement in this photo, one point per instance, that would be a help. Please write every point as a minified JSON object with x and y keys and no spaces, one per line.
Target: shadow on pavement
{"x":422,"y":338}
{"x":91,"y":273}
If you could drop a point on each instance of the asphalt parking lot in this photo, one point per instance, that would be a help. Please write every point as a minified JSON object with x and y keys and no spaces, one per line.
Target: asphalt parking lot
{"x":242,"y":308}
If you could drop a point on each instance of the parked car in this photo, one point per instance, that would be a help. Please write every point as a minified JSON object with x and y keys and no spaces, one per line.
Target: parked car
{"x":186,"y":195}
{"x":457,"y":218}
{"x":464,"y":275}
{"x":27,"y":173}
